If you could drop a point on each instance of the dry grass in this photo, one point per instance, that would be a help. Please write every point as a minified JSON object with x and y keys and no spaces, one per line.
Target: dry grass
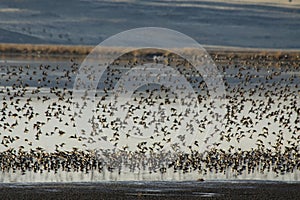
{"x":44,"y":49}
{"x":229,"y":52}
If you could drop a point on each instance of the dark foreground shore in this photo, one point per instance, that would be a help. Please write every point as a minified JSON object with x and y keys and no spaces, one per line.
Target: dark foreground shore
{"x":153,"y":190}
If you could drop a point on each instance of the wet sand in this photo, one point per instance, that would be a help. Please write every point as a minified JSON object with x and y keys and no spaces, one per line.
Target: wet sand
{"x":153,"y":190}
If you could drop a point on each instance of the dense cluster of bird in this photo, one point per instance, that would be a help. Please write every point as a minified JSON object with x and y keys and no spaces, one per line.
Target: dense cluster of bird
{"x":214,"y":161}
{"x":259,"y":130}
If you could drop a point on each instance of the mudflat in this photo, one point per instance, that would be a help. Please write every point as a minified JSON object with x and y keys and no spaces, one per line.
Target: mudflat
{"x":153,"y":190}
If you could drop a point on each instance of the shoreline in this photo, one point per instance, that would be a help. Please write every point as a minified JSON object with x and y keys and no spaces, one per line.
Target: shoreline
{"x":83,"y":50}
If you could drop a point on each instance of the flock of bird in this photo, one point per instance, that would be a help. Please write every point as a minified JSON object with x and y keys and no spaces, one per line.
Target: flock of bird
{"x":44,"y":127}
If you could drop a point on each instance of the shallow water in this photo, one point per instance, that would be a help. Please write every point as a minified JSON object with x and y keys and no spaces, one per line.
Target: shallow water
{"x":222,"y":23}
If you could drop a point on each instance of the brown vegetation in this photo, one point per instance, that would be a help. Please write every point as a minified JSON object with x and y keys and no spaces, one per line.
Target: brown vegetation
{"x":73,"y":50}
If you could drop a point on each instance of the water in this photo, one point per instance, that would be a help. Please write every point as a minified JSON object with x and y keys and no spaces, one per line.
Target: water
{"x":261,"y":24}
